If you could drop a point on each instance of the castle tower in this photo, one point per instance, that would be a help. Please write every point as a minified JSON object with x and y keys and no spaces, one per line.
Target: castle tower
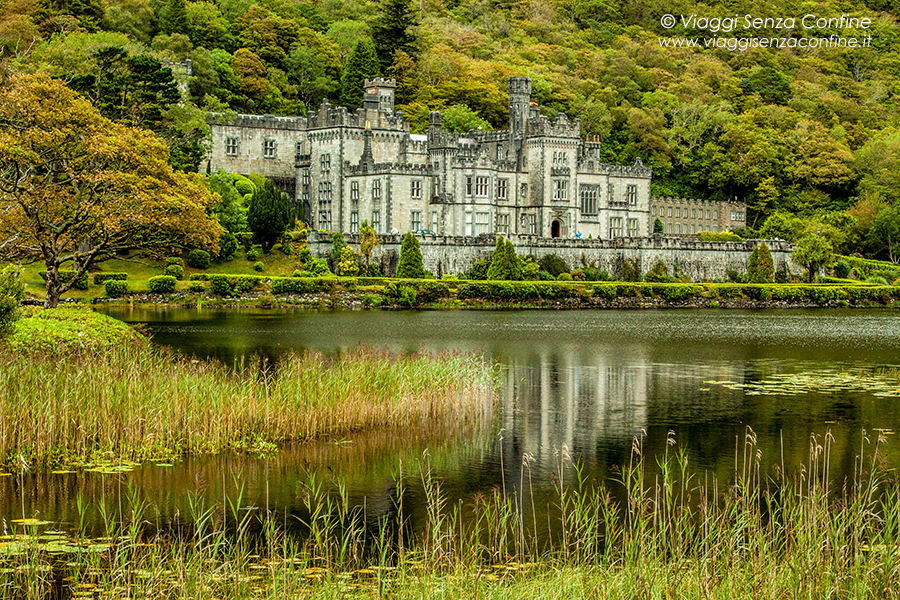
{"x":383,"y":89}
{"x":519,"y":101}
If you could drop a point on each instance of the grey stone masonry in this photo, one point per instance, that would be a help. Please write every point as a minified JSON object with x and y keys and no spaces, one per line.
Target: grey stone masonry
{"x":700,"y":261}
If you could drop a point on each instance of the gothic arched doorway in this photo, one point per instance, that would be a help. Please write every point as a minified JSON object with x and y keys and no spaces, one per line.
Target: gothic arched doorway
{"x":555,"y":228}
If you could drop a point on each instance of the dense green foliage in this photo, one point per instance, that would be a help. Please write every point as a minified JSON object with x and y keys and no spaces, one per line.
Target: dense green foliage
{"x":811,"y":134}
{"x":410,"y":264}
{"x":12,"y":290}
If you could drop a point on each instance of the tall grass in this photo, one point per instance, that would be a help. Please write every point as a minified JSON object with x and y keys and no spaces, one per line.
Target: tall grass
{"x":679,"y":535}
{"x":135,"y":402}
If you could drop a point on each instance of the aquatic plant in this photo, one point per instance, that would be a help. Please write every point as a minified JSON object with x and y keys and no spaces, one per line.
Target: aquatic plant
{"x":134,"y":401}
{"x":674,"y":533}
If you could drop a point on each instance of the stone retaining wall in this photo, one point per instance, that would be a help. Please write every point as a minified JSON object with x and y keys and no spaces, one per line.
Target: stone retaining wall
{"x":701,"y":261}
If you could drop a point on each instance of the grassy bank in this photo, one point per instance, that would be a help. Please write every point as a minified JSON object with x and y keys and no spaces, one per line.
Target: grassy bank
{"x":132,"y":401}
{"x":676,"y":535}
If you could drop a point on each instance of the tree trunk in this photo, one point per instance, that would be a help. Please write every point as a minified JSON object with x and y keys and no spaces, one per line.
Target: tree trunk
{"x":51,"y":300}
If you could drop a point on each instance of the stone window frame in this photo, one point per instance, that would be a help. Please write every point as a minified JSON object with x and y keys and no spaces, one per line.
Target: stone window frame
{"x":589,"y":199}
{"x":560,"y":190}
{"x":482,"y":222}
{"x":502,"y":224}
{"x":482,"y":186}
{"x":503,"y":188}
{"x":354,"y":191}
{"x":354,"y":221}
{"x":415,"y":189}
{"x":631,"y":194}
{"x":415,"y":220}
{"x":325,"y":162}
{"x":376,"y":189}
{"x":232,"y":146}
{"x":376,"y":220}
{"x":270,"y":148}
{"x":616,"y":227}
{"x":632,"y":230}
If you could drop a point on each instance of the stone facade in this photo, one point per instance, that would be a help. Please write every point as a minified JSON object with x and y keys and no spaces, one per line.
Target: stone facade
{"x":681,"y":216}
{"x":538,"y":178}
{"x":701,"y":261}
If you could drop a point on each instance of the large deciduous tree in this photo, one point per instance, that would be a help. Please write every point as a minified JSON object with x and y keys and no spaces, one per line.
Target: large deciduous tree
{"x":76,"y":188}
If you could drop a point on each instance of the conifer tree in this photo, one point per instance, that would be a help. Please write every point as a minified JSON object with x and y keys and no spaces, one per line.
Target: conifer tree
{"x":410,"y":265}
{"x":269,"y":215}
{"x":504,"y":263}
{"x":393,"y":31}
{"x":761,"y":267}
{"x":361,"y":65}
{"x":368,"y":240}
{"x":173,"y":17}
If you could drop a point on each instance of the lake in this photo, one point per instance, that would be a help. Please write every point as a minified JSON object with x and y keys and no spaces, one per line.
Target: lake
{"x":575,"y":387}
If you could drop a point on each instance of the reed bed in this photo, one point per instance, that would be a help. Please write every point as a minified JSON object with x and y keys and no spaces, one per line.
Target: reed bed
{"x":137,"y":402}
{"x":675,"y":535}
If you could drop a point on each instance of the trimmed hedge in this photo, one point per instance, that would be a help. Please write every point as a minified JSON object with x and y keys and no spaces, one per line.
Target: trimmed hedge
{"x":66,"y":275}
{"x":302,"y":285}
{"x":231,"y":285}
{"x":115,"y":288}
{"x":100,"y":278}
{"x":162,"y":284}
{"x":518,"y":290}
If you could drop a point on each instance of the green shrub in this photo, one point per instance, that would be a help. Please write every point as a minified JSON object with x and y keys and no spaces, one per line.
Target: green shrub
{"x":197,"y":286}
{"x":399,"y":293}
{"x":304,"y":256}
{"x":319,"y":267}
{"x":253,"y":254}
{"x":115,"y":288}
{"x":176,"y":271}
{"x":199,"y":277}
{"x":659,"y":273}
{"x":100,"y":278}
{"x":607,"y":291}
{"x":228,"y":285}
{"x":577,"y":275}
{"x":286,"y":249}
{"x":259,"y":267}
{"x":199,"y":259}
{"x":758,"y":292}
{"x":228,"y":245}
{"x":162,"y":284}
{"x":564,"y":277}
{"x":630,"y":269}
{"x":592,"y":274}
{"x":175,"y":260}
{"x":67,"y":275}
{"x":479,"y":270}
{"x":553,"y":264}
{"x":842,"y":269}
{"x":432,"y":291}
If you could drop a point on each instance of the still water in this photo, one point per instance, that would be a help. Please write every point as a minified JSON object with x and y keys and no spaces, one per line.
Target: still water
{"x":575,"y":387}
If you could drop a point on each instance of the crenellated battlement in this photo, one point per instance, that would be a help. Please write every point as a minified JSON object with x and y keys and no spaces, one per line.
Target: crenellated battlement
{"x":558,"y":127}
{"x":258,"y":121}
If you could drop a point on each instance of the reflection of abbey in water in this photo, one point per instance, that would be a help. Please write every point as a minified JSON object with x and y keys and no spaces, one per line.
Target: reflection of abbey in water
{"x":539,"y":177}
{"x":562,"y":402}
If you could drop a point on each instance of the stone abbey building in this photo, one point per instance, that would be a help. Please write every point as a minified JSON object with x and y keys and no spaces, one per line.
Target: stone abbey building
{"x":538,"y":178}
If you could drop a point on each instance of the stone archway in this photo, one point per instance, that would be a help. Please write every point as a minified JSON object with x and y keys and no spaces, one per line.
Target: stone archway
{"x":555,"y":228}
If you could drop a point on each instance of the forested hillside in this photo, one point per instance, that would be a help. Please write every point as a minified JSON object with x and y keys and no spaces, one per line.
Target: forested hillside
{"x":807,"y":136}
